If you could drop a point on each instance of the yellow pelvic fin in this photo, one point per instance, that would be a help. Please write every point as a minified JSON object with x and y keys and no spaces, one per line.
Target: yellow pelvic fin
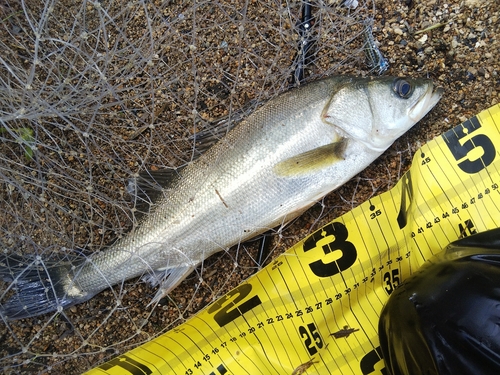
{"x":312,"y":160}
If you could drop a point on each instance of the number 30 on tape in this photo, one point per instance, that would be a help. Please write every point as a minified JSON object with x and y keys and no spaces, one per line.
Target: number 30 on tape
{"x":315,"y":309}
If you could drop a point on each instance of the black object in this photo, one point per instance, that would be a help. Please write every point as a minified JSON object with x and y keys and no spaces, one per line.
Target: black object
{"x":445,"y":318}
{"x":306,"y":42}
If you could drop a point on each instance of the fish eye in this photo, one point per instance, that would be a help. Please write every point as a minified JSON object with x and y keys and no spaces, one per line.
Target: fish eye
{"x":402,"y":87}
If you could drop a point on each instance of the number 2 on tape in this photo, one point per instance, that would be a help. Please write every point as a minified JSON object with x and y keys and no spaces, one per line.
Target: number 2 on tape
{"x":226,"y":312}
{"x":312,"y":338}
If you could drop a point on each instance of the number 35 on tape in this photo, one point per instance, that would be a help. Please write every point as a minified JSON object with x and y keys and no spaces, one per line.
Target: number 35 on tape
{"x":315,"y":309}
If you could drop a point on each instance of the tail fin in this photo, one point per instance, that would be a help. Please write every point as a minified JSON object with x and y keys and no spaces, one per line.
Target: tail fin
{"x":36,"y":287}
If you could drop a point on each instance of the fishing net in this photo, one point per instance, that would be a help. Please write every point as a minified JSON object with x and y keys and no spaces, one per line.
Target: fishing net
{"x":92,"y":93}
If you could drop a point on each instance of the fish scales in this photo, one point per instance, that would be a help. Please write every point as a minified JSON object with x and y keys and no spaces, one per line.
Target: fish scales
{"x":267,"y":170}
{"x":233,"y":182}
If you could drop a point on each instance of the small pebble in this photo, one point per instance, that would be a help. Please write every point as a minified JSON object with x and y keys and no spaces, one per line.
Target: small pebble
{"x":423,"y":39}
{"x":397,"y":31}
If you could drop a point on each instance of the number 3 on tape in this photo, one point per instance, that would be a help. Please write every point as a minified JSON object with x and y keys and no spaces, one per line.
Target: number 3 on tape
{"x":324,"y":235}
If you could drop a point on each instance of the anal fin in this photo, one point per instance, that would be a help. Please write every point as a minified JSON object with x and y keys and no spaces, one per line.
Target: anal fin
{"x":168,"y":280}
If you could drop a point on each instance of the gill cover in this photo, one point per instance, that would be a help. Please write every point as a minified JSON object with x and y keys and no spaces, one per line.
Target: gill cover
{"x":380,"y":110}
{"x":445,"y":319}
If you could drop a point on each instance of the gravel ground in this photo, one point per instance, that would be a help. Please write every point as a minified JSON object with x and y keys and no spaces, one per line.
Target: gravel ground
{"x":456,"y":43}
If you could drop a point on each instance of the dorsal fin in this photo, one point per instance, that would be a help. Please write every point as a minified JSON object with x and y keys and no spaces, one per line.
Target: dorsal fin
{"x":148,"y":186}
{"x":218,"y":129}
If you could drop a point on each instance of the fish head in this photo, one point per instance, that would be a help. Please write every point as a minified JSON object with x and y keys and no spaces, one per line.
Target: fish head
{"x":377,"y":110}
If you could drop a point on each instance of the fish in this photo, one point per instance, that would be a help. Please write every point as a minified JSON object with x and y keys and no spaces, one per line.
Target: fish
{"x":271,"y":167}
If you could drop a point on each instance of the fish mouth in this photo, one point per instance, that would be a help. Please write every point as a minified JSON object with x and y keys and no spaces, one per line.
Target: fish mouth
{"x":426,"y":102}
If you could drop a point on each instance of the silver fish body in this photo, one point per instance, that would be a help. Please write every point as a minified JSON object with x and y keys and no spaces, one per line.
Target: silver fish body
{"x":271,"y":167}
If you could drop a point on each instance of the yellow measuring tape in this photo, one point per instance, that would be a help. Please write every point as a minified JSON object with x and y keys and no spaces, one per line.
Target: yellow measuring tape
{"x":315,"y":309}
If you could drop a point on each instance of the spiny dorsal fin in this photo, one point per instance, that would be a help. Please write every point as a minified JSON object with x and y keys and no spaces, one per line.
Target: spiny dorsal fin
{"x":218,"y":129}
{"x":312,"y":160}
{"x":148,"y":186}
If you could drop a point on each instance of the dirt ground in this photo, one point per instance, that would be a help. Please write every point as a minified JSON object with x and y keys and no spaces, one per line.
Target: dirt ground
{"x":454,"y":42}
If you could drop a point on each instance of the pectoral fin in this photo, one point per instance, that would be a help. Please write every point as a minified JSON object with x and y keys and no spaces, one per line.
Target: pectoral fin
{"x":312,"y":160}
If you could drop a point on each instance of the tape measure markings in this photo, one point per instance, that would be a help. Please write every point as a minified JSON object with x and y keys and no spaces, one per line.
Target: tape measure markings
{"x":482,"y":211}
{"x":200,"y":338}
{"x":152,"y":363}
{"x":340,"y":293}
{"x":204,"y":357}
{"x":378,"y":235}
{"x":444,"y":189}
{"x":191,"y":334}
{"x":454,"y":210}
{"x":457,"y":205}
{"x":349,"y":352}
{"x":298,"y":287}
{"x":364,"y":323}
{"x":266,"y":365}
{"x":323,"y":288}
{"x":366,"y":246}
{"x":224,"y":345}
{"x":232,"y":339}
{"x":163,"y":351}
{"x":174,"y":359}
{"x":125,"y":362}
{"x":315,"y":306}
{"x":422,"y":213}
{"x":186,"y":341}
{"x":460,"y":145}
{"x":261,"y":325}
{"x":288,"y":341}
{"x":339,"y":277}
{"x":447,"y":174}
{"x":270,"y":321}
{"x":447,"y":187}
